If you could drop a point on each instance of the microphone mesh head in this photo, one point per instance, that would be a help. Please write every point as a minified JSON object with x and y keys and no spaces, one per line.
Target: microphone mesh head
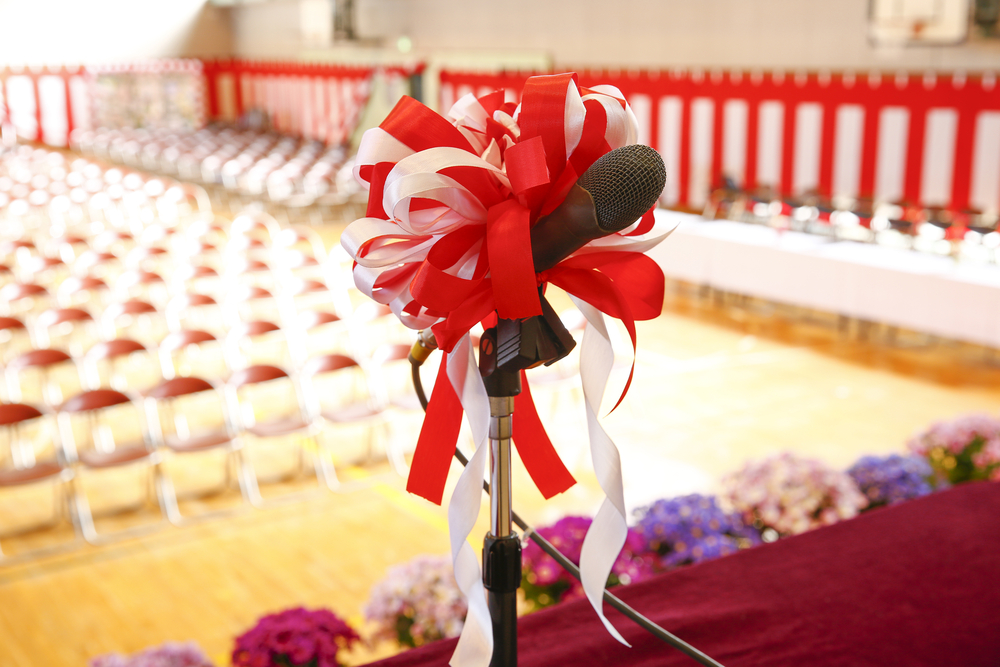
{"x":625,"y":183}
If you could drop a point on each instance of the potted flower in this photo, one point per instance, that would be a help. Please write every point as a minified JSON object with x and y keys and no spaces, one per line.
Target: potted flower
{"x":888,"y":480}
{"x":787,"y":494}
{"x":545,"y":582}
{"x":417,"y":602}
{"x":961,"y":450}
{"x":171,"y":654}
{"x":294,"y":638}
{"x":692,"y":529}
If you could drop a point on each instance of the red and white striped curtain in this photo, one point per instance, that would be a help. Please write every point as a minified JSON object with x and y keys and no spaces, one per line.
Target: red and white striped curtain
{"x":928,"y":139}
{"x":321,"y":102}
{"x":45,"y":104}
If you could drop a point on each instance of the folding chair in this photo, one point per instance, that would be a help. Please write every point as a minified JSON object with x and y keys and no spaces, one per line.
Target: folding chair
{"x":103,"y":432}
{"x":136,"y":320}
{"x":192,"y":352}
{"x":269,"y":411}
{"x":258,"y":343}
{"x":70,"y":329}
{"x":319,"y":332}
{"x":84,"y":292}
{"x":122,"y":364}
{"x":339,"y":394}
{"x":196,"y":312}
{"x":187,"y":418}
{"x":14,"y":339}
{"x":30,"y":460}
{"x":42,"y":377}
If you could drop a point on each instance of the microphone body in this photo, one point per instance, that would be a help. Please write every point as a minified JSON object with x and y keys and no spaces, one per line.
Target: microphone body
{"x":610,"y":196}
{"x":572,"y":225}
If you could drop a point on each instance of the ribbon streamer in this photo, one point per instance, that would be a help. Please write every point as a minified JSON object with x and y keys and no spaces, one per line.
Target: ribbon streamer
{"x":446,"y":244}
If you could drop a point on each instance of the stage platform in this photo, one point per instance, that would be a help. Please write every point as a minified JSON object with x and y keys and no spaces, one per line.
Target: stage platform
{"x":907,"y":585}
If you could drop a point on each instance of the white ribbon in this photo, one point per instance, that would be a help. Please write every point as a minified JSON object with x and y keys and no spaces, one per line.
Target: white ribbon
{"x":475,"y":645}
{"x":607,"y":533}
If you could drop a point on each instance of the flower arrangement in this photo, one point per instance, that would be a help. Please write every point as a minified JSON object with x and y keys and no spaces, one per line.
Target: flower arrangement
{"x":961,"y":450}
{"x":891,"y":479}
{"x":171,"y":654}
{"x":787,"y":494}
{"x":691,"y":529}
{"x":545,"y":582}
{"x":294,"y":638}
{"x":417,"y":602}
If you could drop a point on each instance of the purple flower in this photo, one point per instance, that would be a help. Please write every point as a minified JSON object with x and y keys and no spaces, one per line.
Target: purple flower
{"x":892,"y":479}
{"x":168,"y":655}
{"x":692,"y":529}
{"x":293,"y":637}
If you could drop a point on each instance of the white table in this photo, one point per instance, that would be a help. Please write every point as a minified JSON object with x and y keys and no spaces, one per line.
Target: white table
{"x":918,"y":291}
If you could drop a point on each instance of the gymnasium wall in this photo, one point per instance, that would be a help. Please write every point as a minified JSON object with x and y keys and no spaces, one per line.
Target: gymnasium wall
{"x":769,"y":34}
{"x":81,"y":32}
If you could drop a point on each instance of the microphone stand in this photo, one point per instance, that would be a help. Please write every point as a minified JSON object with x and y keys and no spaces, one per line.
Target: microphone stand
{"x":505,"y":350}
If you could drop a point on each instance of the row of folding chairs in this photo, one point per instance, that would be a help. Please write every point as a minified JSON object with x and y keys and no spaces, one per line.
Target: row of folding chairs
{"x":262,"y":425}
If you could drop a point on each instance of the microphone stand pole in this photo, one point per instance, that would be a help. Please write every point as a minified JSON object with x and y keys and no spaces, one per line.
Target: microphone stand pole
{"x":504,"y":351}
{"x":502,"y":546}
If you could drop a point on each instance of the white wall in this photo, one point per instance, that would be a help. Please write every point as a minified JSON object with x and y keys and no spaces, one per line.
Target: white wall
{"x":785,"y":34}
{"x":94,"y":31}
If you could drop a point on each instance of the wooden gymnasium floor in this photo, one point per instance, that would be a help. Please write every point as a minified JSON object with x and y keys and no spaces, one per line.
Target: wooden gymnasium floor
{"x":719,"y":380}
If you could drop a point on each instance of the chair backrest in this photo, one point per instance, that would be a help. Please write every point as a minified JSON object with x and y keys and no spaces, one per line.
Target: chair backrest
{"x":263,"y":392}
{"x":257,"y":342}
{"x":27,"y":437}
{"x":123,"y":364}
{"x":95,"y":399}
{"x":14,"y":338}
{"x":23,"y":298}
{"x":194,"y":311}
{"x":193,"y":352}
{"x":136,"y":319}
{"x":69,"y":328}
{"x":81,"y":290}
{"x":181,"y":386}
{"x":100,"y":420}
{"x":184,"y":407}
{"x":334,"y":381}
{"x":14,"y":413}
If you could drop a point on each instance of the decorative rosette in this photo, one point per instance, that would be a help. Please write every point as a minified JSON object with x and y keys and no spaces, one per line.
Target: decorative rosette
{"x":446,"y":245}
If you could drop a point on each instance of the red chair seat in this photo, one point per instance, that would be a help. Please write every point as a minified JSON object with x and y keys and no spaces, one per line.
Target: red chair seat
{"x":120,"y":456}
{"x":276,"y":427}
{"x":198,"y":442}
{"x":35,"y":473}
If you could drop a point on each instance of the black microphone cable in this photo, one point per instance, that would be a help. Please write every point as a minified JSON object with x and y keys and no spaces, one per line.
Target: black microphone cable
{"x":419,"y":353}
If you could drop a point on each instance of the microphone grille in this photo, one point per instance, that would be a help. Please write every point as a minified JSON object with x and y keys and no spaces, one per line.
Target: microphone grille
{"x":624,"y":183}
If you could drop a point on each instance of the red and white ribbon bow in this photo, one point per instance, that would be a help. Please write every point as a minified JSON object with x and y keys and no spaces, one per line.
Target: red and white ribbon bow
{"x":446,"y":245}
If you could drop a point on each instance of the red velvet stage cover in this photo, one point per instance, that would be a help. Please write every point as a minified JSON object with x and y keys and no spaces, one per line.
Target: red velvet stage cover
{"x":915,"y":584}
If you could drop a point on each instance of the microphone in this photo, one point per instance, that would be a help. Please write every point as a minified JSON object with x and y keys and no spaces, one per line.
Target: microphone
{"x":611,"y":195}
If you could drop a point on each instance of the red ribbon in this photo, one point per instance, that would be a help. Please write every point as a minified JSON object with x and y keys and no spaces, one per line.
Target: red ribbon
{"x":624,"y":285}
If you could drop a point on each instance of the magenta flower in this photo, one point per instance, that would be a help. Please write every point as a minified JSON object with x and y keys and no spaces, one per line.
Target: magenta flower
{"x":294,"y":638}
{"x":545,"y":582}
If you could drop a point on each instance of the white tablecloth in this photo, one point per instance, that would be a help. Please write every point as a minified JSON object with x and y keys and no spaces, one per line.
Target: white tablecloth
{"x":917,"y":291}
